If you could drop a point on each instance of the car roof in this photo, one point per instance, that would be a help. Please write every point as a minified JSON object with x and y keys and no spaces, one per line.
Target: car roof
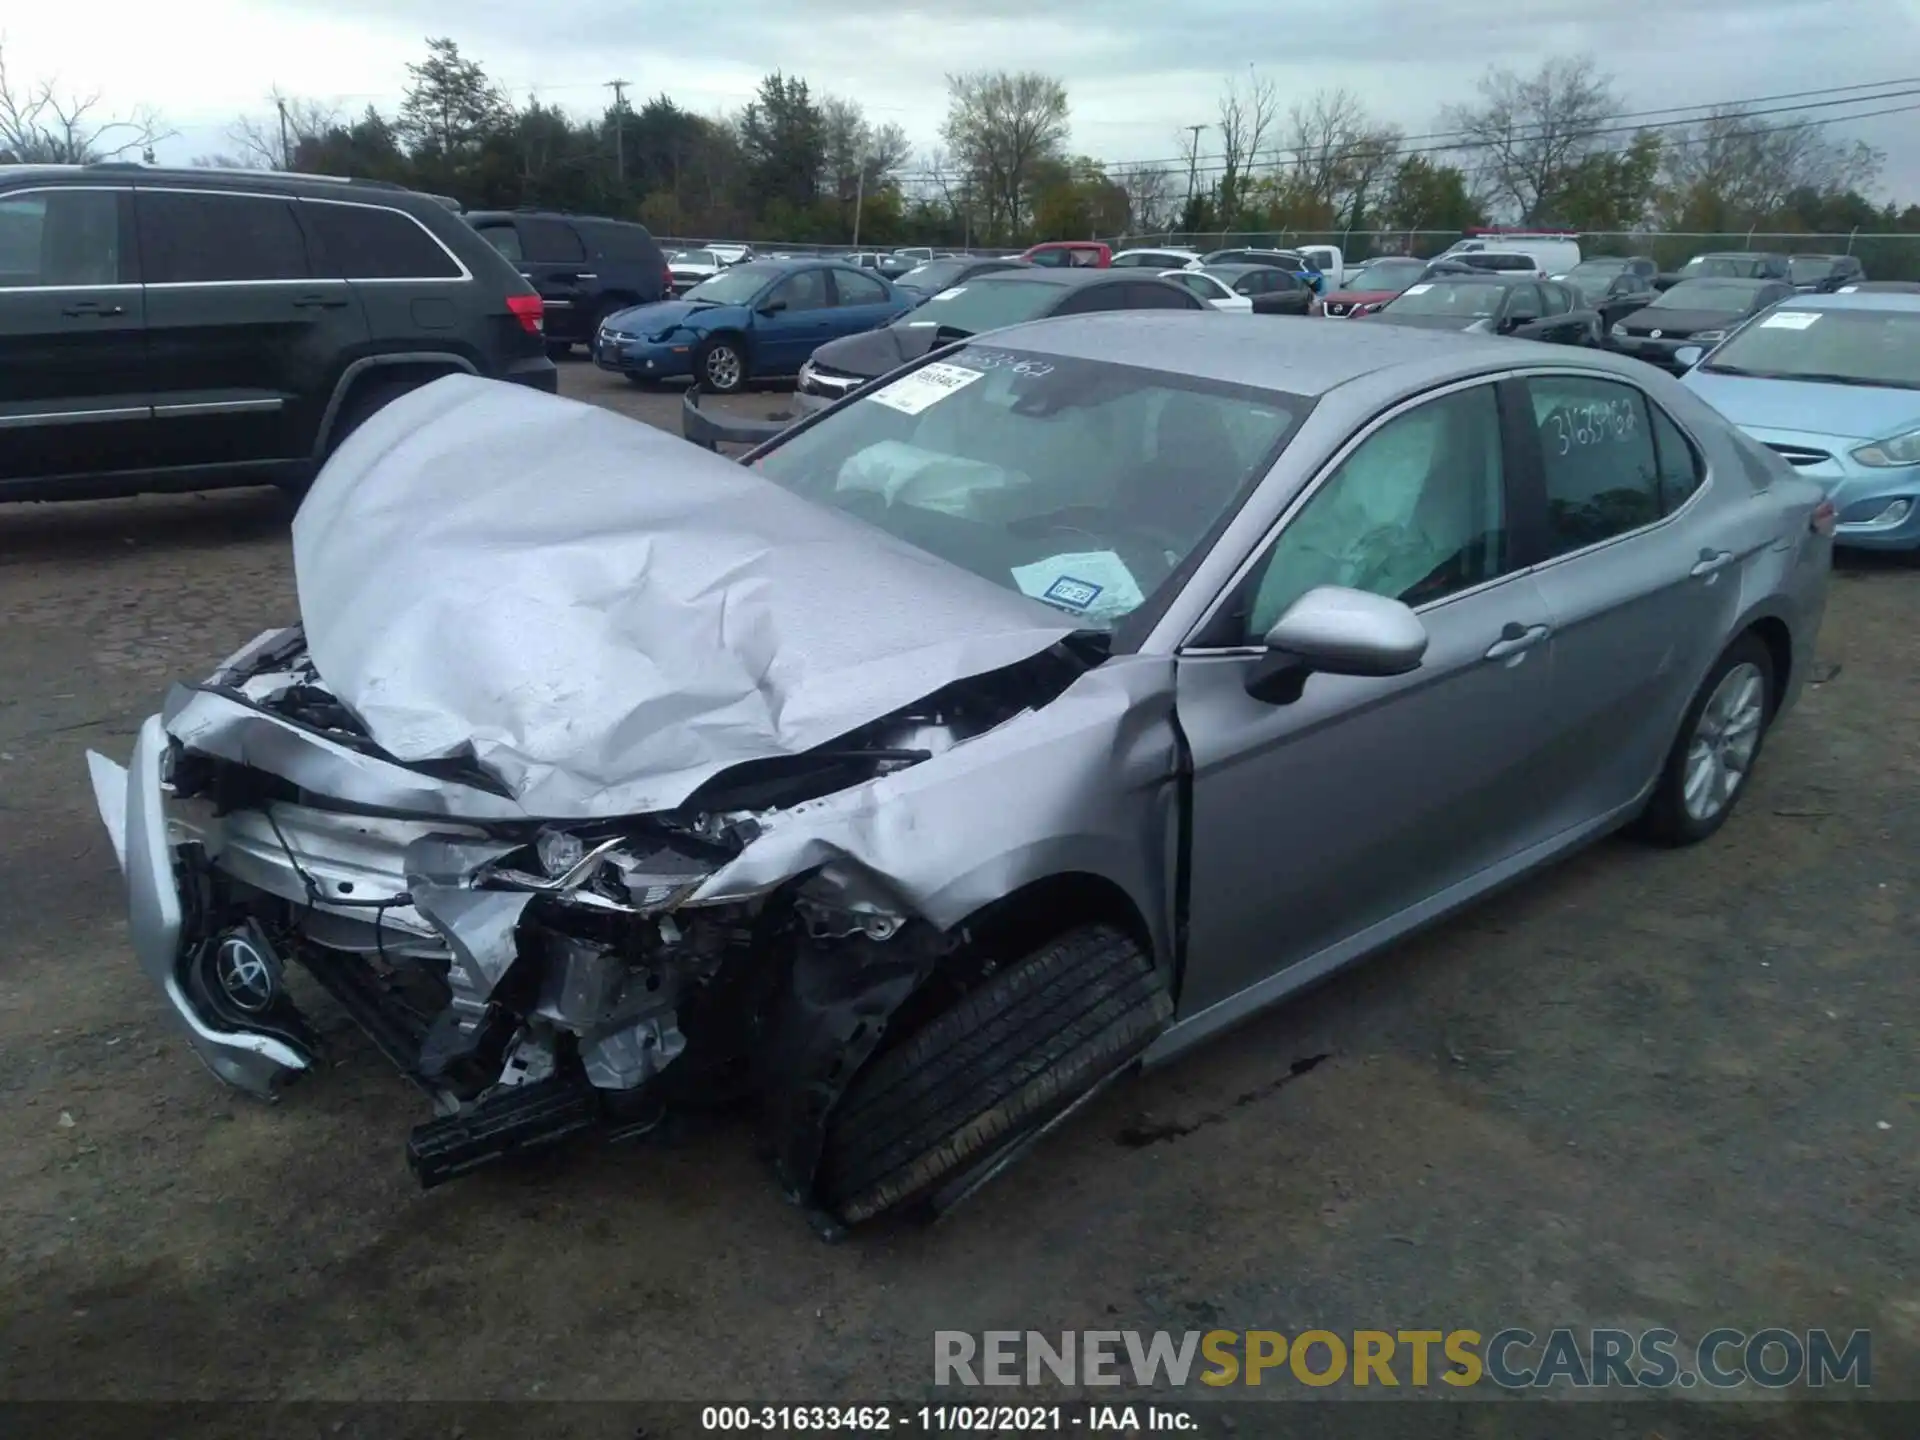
{"x":1467,"y":275}
{"x":1739,"y":255}
{"x":1751,"y":281}
{"x":1087,"y":275}
{"x":211,"y":177}
{"x":1234,"y":271}
{"x":1299,"y":356}
{"x":1883,"y":300}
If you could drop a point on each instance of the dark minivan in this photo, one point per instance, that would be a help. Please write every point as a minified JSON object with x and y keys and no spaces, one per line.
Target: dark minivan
{"x":584,"y":267}
{"x":193,"y":329}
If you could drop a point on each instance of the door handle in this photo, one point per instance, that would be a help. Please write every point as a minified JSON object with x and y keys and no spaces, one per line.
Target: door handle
{"x":88,"y":308}
{"x":320,"y":302}
{"x":1516,"y":639}
{"x":1710,"y":561}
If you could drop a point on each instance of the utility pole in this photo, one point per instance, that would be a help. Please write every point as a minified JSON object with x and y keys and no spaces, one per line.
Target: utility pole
{"x":859,"y":200}
{"x":1193,"y":164}
{"x":619,"y":88}
{"x":286,"y":150}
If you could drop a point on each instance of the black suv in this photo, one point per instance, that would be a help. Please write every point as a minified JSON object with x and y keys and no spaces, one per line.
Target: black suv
{"x":191,"y":329}
{"x":584,"y":267}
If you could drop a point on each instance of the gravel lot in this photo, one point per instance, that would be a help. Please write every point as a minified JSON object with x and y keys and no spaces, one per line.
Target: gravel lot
{"x":1643,"y":1089}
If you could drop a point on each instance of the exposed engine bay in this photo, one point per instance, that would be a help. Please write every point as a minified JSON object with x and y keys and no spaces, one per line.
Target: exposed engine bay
{"x":537,"y":978}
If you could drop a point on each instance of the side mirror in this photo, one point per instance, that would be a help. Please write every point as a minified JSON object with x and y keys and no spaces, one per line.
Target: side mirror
{"x":770,"y":307}
{"x":1336,"y":631}
{"x":1688,"y":356}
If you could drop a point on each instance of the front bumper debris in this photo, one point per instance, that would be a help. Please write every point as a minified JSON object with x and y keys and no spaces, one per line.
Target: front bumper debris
{"x":133,"y":805}
{"x":710,"y":432}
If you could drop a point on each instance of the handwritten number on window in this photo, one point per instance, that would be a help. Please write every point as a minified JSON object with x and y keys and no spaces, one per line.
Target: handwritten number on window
{"x":1596,"y":423}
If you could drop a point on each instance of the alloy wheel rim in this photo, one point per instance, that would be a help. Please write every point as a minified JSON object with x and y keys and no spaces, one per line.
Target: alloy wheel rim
{"x":723,"y":368}
{"x":1720,"y":753}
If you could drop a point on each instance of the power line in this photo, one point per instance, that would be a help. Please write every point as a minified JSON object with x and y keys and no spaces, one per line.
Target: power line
{"x":1216,"y":164}
{"x":1705,"y":112}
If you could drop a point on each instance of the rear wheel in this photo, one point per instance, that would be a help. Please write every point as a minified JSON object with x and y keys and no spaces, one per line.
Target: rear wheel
{"x":362,"y":404}
{"x":1719,"y":742}
{"x":1010,"y":1054}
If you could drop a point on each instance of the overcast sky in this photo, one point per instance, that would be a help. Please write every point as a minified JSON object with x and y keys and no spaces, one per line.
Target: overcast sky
{"x":1136,"y":70}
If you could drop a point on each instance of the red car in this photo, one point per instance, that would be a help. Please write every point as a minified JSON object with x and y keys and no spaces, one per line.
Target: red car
{"x":1373,"y":285}
{"x":1075,"y":254}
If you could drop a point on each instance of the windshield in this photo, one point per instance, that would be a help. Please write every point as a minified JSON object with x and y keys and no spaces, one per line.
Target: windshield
{"x":736,"y":286}
{"x":984,"y":304}
{"x":1386,"y":275}
{"x":1706,"y":295}
{"x":1081,"y":483}
{"x":1465,"y":298}
{"x":1748,"y":265}
{"x":1809,"y":269}
{"x":934,"y":275}
{"x":1151,"y":259}
{"x":697,"y":257}
{"x":1857,"y":347}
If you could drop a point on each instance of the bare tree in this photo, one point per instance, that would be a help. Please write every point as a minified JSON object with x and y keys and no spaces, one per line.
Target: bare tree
{"x":1150,"y":199}
{"x":1000,"y":127}
{"x":1336,"y":156}
{"x":1247,"y":112}
{"x":39,"y":125}
{"x":1732,"y":170}
{"x":272,"y":142}
{"x":1528,"y":133}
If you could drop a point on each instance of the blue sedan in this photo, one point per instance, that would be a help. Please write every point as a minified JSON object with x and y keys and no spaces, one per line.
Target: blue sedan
{"x":1832,"y":383}
{"x":760,"y":319}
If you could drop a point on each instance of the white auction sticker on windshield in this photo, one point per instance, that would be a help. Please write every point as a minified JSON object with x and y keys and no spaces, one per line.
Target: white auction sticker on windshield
{"x":911,"y":394}
{"x":1418,"y":289}
{"x":1790,"y":320}
{"x":1095,"y":583}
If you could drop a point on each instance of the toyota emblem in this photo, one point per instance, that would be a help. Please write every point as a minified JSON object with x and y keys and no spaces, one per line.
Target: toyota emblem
{"x":245,"y":974}
{"x":1654,"y":334}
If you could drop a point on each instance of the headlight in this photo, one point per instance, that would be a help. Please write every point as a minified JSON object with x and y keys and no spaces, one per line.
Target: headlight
{"x":1619,"y":332}
{"x":1901,"y":450}
{"x":1708,"y":337}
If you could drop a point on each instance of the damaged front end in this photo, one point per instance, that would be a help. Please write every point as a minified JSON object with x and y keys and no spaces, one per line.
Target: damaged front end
{"x":533,"y":977}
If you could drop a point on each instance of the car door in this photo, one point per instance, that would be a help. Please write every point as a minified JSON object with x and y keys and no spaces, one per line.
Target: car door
{"x":1641,"y":581}
{"x":1523,"y":314}
{"x":243,"y":339}
{"x":554,"y":258}
{"x":793,"y":319}
{"x":1316,"y":823}
{"x":860,"y":302}
{"x":74,"y":397}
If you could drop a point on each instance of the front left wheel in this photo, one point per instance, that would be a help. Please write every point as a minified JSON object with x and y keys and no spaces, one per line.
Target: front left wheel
{"x":1009,"y":1055}
{"x":721,"y":366}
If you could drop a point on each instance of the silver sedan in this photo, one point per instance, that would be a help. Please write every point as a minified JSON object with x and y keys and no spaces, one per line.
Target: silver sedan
{"x":1032,"y":716}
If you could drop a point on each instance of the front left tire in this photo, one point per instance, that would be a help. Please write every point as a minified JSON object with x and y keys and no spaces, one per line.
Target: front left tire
{"x":721,"y":366}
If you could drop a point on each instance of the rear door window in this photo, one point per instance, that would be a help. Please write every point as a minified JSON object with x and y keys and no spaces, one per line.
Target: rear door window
{"x":1157,"y":297}
{"x":1597,"y":457}
{"x":202,"y":236}
{"x":371,"y":242}
{"x":550,"y":242}
{"x":504,"y":238}
{"x":854,"y":289}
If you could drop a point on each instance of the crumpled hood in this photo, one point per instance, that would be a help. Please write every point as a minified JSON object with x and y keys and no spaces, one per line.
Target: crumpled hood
{"x":874,"y":352}
{"x":603,"y":616}
{"x":650,"y":320}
